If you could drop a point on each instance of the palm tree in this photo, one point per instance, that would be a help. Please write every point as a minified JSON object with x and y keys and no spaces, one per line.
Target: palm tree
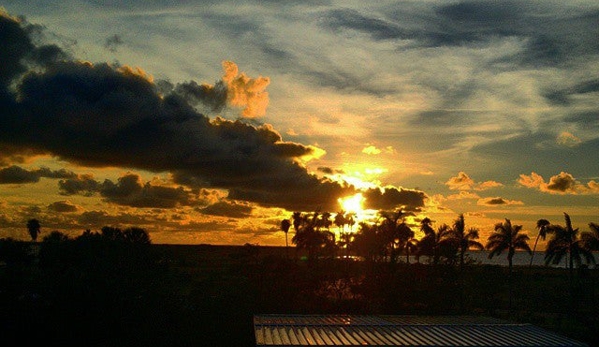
{"x":369,"y":243}
{"x":285,"y":225}
{"x":542,"y":227}
{"x":565,"y":242}
{"x":433,"y":242}
{"x":405,"y":236}
{"x":312,"y":234}
{"x":507,"y":237}
{"x":136,"y":236}
{"x":463,"y":239}
{"x":34,"y":227}
{"x":591,"y":239}
{"x":392,"y":235}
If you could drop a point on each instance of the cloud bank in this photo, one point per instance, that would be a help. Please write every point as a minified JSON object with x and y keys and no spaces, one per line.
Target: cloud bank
{"x":101,"y":115}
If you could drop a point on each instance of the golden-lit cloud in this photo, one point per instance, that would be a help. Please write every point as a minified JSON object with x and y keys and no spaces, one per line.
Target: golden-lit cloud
{"x":463,"y":195}
{"x":246,"y":92}
{"x":562,"y":183}
{"x":460,"y":182}
{"x":463,"y":182}
{"x":371,"y":150}
{"x":135,"y":72}
{"x":568,"y":139}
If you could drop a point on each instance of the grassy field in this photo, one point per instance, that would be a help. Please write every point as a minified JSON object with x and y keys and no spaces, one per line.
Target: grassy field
{"x":205,"y":295}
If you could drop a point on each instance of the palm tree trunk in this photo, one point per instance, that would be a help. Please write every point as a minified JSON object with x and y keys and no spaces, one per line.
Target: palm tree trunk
{"x":533,"y":250}
{"x":510,"y":284}
{"x":286,"y":246}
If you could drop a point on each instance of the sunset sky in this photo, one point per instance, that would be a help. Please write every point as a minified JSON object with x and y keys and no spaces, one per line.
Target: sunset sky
{"x":210,"y":121}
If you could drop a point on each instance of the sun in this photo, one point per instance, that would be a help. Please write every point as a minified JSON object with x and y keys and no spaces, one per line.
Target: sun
{"x":352,"y":204}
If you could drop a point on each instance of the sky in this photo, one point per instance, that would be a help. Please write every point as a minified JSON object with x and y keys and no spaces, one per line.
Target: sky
{"x":210,"y":121}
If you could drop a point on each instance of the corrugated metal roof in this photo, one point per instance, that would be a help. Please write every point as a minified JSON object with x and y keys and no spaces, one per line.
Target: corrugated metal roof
{"x":355,"y":330}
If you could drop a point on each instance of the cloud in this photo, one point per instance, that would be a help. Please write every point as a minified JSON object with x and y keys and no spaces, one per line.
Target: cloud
{"x":460,"y":182}
{"x":390,"y":198}
{"x":564,"y":96}
{"x":567,"y":139}
{"x":562,"y":183}
{"x":228,"y":209}
{"x":17,"y":175}
{"x":101,"y":115}
{"x":371,"y":150}
{"x":246,"y":92}
{"x":113,"y":42}
{"x":130,"y":190}
{"x":64,"y":207}
{"x":98,"y":219}
{"x":497,"y":201}
{"x":463,"y":194}
{"x":463,"y":182}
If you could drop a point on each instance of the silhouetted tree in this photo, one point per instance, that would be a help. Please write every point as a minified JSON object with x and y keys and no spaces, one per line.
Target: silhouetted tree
{"x":112,"y":234}
{"x":435,"y":244}
{"x":312,"y":234}
{"x":340,"y":221}
{"x":507,"y":237}
{"x":542,"y":228}
{"x":393,"y":234}
{"x":591,"y":239}
{"x":407,"y":242}
{"x":34,"y":228}
{"x":14,"y":252}
{"x":565,"y":241}
{"x":285,"y":226}
{"x":136,"y":236}
{"x":463,"y":239}
{"x":368,"y":242}
{"x":53,"y":249}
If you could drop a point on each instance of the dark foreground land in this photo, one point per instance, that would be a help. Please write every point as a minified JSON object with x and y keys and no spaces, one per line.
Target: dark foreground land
{"x":174,"y":295}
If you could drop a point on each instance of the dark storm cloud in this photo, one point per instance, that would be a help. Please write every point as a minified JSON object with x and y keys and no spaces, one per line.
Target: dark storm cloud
{"x":17,"y":175}
{"x":389,"y":198}
{"x":214,"y":97}
{"x":63,"y":207}
{"x":103,"y":115}
{"x":326,"y":170}
{"x":98,"y":219}
{"x":130,"y":190}
{"x":227,"y":209}
{"x":82,"y":184}
{"x":18,"y":49}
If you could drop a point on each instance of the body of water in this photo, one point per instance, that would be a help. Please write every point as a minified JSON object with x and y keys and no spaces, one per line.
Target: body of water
{"x":520,"y":259}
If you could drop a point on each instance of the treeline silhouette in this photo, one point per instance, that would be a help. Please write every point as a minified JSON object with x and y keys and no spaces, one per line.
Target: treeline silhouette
{"x":113,"y":287}
{"x":106,"y":288}
{"x":391,"y":237}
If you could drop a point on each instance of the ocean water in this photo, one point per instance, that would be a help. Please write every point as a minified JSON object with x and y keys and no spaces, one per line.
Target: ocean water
{"x":520,"y":259}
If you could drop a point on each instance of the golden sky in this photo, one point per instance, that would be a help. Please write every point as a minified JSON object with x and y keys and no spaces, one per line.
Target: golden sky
{"x":209,"y":123}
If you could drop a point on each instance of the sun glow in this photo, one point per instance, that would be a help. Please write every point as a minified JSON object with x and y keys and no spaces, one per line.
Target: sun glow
{"x":352,"y":204}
